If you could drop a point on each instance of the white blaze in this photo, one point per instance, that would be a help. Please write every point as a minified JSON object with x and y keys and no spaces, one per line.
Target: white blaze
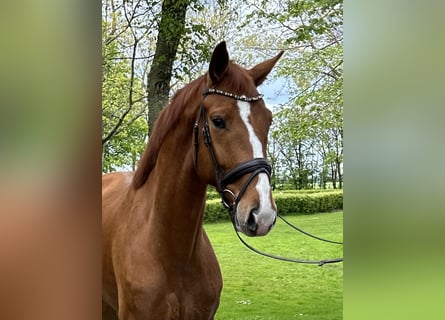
{"x":266,"y":213}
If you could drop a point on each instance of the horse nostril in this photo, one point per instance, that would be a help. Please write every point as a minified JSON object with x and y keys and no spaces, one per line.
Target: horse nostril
{"x":251,"y":221}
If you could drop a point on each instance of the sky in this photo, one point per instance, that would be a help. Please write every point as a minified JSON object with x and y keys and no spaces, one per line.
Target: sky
{"x":275,"y":92}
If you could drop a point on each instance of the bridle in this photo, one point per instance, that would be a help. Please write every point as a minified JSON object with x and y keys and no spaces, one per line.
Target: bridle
{"x":223,"y":179}
{"x":254,"y":167}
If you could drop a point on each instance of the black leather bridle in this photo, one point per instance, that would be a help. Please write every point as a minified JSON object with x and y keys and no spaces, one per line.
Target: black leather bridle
{"x":253,"y":167}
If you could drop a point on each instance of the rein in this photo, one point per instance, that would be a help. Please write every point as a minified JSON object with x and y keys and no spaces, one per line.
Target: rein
{"x":254,"y":167}
{"x":318,"y":262}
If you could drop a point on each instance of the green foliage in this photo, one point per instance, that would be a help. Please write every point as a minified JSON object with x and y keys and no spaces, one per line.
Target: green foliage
{"x":129,"y":34}
{"x":307,"y":136}
{"x":305,"y":203}
{"x":196,"y":45}
{"x":212,"y":193}
{"x":124,"y":128}
{"x":215,"y":211}
{"x":304,"y":191}
{"x":306,"y":140}
{"x":125,"y":148}
{"x":288,"y":202}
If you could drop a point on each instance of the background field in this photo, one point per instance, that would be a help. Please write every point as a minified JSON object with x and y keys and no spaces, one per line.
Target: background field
{"x":261,"y":288}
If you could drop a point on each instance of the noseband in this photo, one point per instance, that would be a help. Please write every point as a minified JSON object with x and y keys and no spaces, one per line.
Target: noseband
{"x":223,"y":179}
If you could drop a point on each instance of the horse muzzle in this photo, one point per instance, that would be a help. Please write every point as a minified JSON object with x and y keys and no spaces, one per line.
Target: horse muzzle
{"x":253,"y":211}
{"x":257,"y":223}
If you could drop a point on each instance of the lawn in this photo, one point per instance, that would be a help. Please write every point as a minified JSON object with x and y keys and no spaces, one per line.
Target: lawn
{"x":261,"y":288}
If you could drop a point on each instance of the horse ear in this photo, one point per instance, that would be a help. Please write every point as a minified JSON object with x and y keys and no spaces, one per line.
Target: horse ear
{"x":219,"y":62}
{"x":260,"y":71}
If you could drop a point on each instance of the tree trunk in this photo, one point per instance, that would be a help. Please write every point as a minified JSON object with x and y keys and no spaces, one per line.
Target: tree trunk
{"x":300,"y":167}
{"x":170,"y":31}
{"x":340,"y":178}
{"x":337,"y":159}
{"x":334,"y":176}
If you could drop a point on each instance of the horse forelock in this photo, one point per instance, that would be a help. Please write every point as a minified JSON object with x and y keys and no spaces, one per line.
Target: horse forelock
{"x":234,"y":81}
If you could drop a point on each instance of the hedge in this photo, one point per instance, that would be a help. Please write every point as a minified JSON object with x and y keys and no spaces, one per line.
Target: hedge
{"x":294,"y":202}
{"x":213,"y":194}
{"x":305,"y":191}
{"x":305,"y":203}
{"x":215,"y":211}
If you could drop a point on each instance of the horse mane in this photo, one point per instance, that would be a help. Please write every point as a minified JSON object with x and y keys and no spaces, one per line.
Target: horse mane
{"x":168,"y":119}
{"x":170,"y":115}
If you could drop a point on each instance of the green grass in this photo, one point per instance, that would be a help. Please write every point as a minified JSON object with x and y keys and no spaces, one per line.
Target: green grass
{"x":261,"y":288}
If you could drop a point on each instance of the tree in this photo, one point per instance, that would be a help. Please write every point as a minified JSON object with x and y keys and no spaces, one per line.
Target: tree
{"x":311,"y":33}
{"x":147,"y":49}
{"x":123,"y":94}
{"x":152,"y":48}
{"x":170,"y":31}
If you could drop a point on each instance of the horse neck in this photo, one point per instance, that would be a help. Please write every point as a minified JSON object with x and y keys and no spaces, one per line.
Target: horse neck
{"x":178,"y":195}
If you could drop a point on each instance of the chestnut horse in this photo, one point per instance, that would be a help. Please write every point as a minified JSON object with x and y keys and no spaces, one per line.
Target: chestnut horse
{"x":157,"y":260}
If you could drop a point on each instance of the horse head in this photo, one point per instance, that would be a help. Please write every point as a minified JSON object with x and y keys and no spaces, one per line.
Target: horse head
{"x":233,"y":123}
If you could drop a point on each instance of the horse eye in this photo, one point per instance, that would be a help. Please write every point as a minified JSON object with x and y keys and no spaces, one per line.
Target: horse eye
{"x":219,"y":122}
